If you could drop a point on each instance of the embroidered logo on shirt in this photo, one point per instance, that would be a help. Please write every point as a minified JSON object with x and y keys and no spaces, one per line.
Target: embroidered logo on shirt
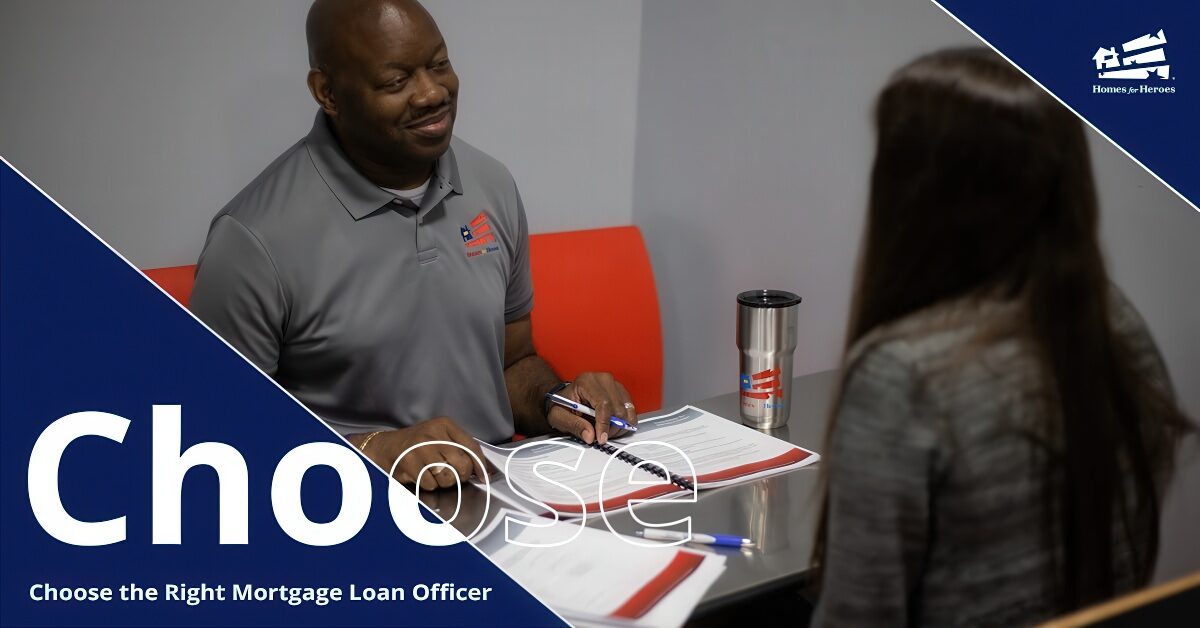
{"x":477,"y":236}
{"x":761,"y":385}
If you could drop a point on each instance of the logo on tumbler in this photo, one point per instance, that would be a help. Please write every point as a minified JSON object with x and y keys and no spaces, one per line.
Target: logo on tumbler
{"x":762,"y":385}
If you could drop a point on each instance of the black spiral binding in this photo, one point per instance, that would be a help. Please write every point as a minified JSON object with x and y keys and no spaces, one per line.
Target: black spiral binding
{"x":677,"y":480}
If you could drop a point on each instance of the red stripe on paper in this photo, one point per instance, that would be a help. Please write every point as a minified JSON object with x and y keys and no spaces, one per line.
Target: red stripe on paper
{"x":614,"y":503}
{"x":658,"y":490}
{"x":782,"y":460}
{"x":660,"y":585}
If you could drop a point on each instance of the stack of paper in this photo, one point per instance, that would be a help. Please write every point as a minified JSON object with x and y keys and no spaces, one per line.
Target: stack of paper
{"x":599,"y":578}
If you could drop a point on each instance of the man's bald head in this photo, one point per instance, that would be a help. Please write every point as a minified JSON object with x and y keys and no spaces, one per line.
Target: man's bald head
{"x":381,"y":73}
{"x":330,"y":22}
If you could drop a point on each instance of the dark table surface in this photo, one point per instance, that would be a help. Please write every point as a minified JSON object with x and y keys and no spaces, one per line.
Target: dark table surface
{"x":778,"y":513}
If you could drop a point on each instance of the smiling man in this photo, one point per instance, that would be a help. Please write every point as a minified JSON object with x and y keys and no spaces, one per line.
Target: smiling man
{"x":379,"y":268}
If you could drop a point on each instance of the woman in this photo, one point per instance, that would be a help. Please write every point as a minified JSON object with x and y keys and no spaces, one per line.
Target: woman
{"x":1005,"y":425}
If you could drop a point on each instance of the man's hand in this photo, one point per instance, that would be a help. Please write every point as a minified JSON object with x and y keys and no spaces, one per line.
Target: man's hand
{"x":384,"y":448}
{"x":603,"y":394}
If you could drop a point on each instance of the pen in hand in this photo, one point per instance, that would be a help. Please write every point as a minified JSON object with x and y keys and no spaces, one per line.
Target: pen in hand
{"x":582,"y":409}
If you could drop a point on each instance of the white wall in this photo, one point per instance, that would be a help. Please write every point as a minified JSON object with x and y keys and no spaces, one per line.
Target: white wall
{"x":145,"y":117}
{"x":1152,"y":240}
{"x":549,"y":87}
{"x":753,"y":151}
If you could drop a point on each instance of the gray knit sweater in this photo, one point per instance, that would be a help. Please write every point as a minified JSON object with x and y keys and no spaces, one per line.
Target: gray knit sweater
{"x":937,"y":468}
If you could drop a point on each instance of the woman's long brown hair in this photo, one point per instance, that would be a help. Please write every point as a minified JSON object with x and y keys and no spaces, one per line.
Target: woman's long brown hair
{"x":982,"y":182}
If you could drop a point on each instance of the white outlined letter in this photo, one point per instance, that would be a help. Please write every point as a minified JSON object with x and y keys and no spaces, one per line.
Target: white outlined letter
{"x":652,"y":480}
{"x":510,"y":521}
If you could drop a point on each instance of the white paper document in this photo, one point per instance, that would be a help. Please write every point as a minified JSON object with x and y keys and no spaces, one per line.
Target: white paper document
{"x":600,"y":579}
{"x":572,"y":479}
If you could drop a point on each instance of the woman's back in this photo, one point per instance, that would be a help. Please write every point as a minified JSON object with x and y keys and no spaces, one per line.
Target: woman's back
{"x":1004,"y":424}
{"x":940,"y":512}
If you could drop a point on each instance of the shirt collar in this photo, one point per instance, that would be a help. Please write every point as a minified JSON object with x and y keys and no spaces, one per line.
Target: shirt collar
{"x":354,"y":191}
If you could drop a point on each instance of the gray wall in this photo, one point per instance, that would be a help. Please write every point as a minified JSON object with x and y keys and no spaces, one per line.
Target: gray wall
{"x":752,"y":157}
{"x":145,"y":117}
{"x":753,"y":151}
{"x":1152,"y":240}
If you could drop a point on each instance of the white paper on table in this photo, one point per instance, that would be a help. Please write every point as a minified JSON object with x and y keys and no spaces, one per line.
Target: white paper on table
{"x":716,"y":447}
{"x":565,"y":462}
{"x":721,"y":453}
{"x":591,"y":577}
{"x":503,"y":492}
{"x":674,"y":609}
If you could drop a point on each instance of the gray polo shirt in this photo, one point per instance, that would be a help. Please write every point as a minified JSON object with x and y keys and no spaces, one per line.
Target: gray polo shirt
{"x":373,"y":313}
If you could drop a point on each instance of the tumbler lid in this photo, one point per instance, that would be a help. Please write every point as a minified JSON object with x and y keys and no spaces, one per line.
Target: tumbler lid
{"x":768,"y":298}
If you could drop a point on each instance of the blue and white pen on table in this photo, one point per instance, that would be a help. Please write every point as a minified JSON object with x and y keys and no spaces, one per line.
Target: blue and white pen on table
{"x":720,"y":540}
{"x":582,"y":409}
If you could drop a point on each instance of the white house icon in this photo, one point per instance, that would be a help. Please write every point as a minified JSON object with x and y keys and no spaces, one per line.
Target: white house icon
{"x":1106,"y":58}
{"x":1141,"y":59}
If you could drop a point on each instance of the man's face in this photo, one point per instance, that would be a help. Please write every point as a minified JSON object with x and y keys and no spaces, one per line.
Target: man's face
{"x":396,"y":92}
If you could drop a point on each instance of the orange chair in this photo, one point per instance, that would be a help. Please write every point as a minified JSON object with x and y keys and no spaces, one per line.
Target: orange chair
{"x":618,"y":329}
{"x":572,"y":332}
{"x":175,"y":280}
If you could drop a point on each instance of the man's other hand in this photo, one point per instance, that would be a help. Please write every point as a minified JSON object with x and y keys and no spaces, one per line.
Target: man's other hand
{"x":385,"y":447}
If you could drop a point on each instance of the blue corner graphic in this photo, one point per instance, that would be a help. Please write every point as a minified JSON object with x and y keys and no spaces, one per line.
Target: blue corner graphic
{"x":1132,"y":71}
{"x":83,"y":331}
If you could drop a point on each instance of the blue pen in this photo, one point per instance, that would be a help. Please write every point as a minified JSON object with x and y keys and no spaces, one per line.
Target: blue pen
{"x":720,"y":540}
{"x":582,"y":409}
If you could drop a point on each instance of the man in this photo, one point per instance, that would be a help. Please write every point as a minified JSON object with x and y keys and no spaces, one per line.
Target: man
{"x":379,"y":270}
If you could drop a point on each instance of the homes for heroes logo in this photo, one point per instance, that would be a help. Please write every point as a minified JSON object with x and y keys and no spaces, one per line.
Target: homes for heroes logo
{"x":1141,"y":59}
{"x":477,"y":236}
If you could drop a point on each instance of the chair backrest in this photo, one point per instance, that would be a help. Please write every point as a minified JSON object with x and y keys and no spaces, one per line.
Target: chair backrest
{"x":175,"y":280}
{"x":595,"y":306}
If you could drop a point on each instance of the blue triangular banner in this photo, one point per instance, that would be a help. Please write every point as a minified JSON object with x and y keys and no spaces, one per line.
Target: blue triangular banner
{"x":1131,"y":70}
{"x":81,"y":330}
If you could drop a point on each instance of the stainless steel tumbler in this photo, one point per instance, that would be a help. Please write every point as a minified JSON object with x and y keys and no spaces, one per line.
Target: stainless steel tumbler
{"x":766,"y":339}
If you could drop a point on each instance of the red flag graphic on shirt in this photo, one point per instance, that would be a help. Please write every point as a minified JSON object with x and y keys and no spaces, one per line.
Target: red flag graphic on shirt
{"x":478,"y":232}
